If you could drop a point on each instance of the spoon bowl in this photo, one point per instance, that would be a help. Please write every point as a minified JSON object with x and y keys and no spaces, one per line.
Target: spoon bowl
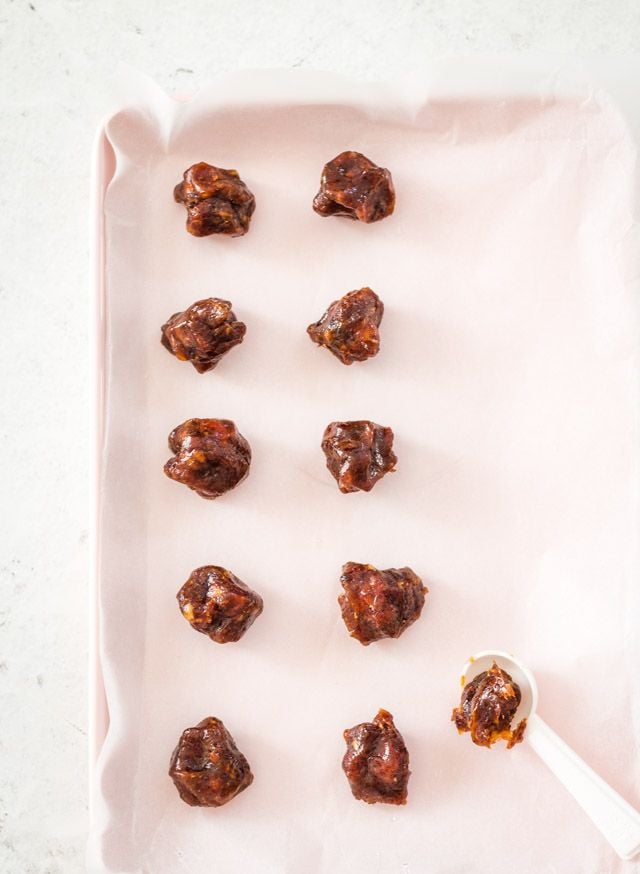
{"x":520,"y":674}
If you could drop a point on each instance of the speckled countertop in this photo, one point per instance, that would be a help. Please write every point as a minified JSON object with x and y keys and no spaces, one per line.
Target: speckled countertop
{"x":56,"y":58}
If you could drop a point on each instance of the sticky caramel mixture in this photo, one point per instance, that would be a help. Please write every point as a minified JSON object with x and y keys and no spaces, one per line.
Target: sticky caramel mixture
{"x":487,"y":707}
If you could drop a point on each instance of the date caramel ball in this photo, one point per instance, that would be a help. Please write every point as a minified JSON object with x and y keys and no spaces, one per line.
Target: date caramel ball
{"x":358,"y":454}
{"x":210,"y":456}
{"x":217,"y":201}
{"x":216,"y":603}
{"x":203,"y":333}
{"x":377,"y":604}
{"x":349,"y":327}
{"x":376,"y":762}
{"x":207,"y":768}
{"x":353,"y":186}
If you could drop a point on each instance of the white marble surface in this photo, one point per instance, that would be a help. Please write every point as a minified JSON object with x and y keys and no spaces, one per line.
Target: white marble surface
{"x":56,"y":57}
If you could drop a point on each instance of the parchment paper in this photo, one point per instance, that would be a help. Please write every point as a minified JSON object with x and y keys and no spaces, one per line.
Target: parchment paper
{"x":509,"y":373}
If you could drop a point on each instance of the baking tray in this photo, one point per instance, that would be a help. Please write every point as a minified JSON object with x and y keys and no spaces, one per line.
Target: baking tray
{"x":508,"y":370}
{"x":103,"y":167}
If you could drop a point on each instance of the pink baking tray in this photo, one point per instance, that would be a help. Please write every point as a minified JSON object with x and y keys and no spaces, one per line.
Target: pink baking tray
{"x":103,"y":167}
{"x":553,"y":688}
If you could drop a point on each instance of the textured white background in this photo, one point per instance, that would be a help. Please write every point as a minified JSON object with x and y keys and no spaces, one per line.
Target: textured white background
{"x":55,"y":61}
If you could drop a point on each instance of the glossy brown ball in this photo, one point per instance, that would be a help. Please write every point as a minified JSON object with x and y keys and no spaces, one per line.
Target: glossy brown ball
{"x":217,"y":201}
{"x":216,"y":603}
{"x":376,"y":762}
{"x":358,"y":454}
{"x":203,"y":333}
{"x":353,"y":186}
{"x":349,"y":327}
{"x":207,"y":767}
{"x":210,"y":456}
{"x":377,"y":604}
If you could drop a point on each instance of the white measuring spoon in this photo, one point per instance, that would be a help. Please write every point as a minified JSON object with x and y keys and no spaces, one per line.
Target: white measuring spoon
{"x":616,"y":819}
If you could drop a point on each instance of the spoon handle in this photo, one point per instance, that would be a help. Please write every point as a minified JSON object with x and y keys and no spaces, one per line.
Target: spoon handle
{"x":616,"y":819}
